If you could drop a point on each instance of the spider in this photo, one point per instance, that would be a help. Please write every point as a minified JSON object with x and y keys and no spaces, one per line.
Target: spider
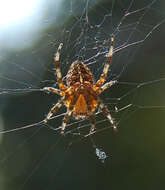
{"x":80,"y":95}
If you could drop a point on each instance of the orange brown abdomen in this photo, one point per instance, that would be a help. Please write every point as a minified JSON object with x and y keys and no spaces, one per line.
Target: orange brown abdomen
{"x":80,"y":80}
{"x":78,"y":74}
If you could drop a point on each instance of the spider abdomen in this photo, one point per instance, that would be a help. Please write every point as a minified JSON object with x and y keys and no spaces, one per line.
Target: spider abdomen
{"x":84,"y":106}
{"x":83,"y":102}
{"x":83,"y":98}
{"x":79,"y":74}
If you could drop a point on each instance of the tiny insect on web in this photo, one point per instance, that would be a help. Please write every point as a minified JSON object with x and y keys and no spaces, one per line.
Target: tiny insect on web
{"x":80,"y":95}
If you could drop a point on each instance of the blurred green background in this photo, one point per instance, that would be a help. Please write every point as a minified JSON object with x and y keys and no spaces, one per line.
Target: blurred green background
{"x":40,"y":158}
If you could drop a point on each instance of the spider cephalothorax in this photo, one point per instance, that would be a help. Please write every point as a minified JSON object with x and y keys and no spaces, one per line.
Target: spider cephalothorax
{"x":80,"y":96}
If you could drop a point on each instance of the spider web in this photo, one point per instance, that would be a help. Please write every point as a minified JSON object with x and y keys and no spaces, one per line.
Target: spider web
{"x":36,"y":156}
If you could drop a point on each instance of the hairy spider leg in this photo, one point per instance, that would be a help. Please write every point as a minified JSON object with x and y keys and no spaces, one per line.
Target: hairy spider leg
{"x":102,"y":79}
{"x":54,"y":90}
{"x":58,"y":71}
{"x":93,"y":123}
{"x":65,"y":120}
{"x":107,"y":85}
{"x":68,"y":113}
{"x":91,"y":117}
{"x":107,"y":113}
{"x":54,"y":109}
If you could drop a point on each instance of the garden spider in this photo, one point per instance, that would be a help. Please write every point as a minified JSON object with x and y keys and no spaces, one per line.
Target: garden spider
{"x":80,"y":95}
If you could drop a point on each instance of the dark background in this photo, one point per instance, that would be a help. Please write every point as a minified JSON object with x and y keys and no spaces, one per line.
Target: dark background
{"x":40,"y":158}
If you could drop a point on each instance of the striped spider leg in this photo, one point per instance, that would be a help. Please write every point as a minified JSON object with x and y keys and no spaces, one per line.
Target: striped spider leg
{"x":54,"y":109}
{"x":57,"y":91}
{"x":58,"y":71}
{"x":108,"y":115}
{"x":99,"y":88}
{"x":103,"y":77}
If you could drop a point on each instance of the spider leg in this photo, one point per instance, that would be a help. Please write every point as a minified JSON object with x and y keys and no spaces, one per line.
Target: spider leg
{"x":68,"y":114}
{"x":65,"y":120}
{"x":106,"y":86}
{"x":54,"y":90}
{"x":58,"y":71}
{"x":93,"y":123}
{"x":54,"y":110}
{"x":91,"y":117}
{"x":102,"y":79}
{"x":107,"y":113}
